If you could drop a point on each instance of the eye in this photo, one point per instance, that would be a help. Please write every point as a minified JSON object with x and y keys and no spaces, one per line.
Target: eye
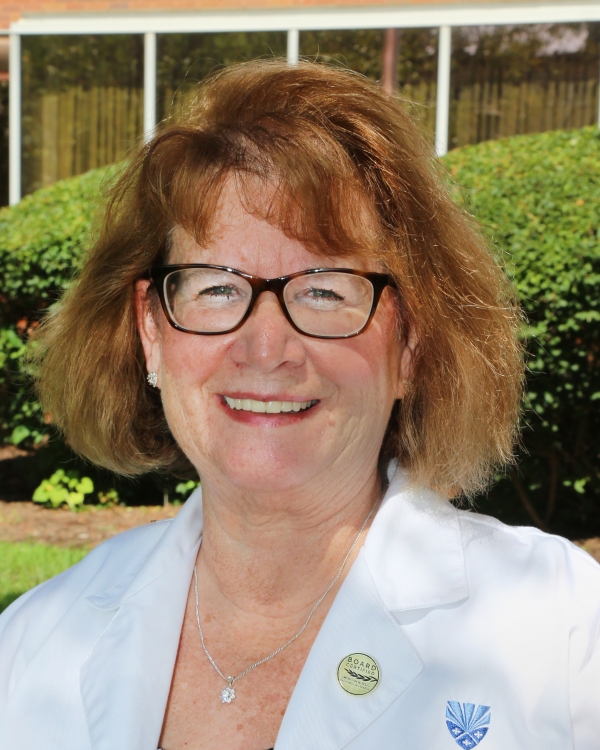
{"x":324,"y":294}
{"x":223,"y":290}
{"x":318,"y":293}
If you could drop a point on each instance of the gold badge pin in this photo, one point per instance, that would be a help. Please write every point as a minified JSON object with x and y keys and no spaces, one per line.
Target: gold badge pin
{"x":358,"y":674}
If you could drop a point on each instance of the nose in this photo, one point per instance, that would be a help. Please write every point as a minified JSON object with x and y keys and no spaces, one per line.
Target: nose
{"x":267,"y":341}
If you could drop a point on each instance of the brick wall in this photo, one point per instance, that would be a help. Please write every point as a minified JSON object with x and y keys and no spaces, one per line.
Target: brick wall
{"x":12,"y":10}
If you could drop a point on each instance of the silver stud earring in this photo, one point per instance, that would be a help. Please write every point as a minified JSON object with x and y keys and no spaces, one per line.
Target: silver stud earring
{"x":152,"y":378}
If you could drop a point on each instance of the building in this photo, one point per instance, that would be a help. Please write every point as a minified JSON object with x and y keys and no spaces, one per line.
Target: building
{"x":87,"y":78}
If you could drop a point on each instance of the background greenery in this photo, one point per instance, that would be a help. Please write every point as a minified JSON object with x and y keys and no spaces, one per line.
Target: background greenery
{"x":41,"y":241}
{"x":24,"y":565}
{"x":537,"y":198}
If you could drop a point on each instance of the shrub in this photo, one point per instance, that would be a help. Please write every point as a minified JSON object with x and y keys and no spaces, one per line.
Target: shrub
{"x":537,"y":197}
{"x":64,"y":488}
{"x":41,"y":242}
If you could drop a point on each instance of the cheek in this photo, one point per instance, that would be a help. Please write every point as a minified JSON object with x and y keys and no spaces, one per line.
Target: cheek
{"x":189,"y":359}
{"x":364,"y":369}
{"x":187,"y":364}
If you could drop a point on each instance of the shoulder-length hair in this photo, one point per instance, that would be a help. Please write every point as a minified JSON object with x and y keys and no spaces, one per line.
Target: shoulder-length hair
{"x":329,"y":141}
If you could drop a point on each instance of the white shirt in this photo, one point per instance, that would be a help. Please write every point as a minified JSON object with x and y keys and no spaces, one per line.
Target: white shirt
{"x":468,"y":619}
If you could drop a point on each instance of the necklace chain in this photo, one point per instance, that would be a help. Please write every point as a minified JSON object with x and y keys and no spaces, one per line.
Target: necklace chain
{"x":228,"y":693}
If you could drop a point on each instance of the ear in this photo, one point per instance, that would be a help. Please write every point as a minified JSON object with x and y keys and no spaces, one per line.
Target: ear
{"x":407,"y":358}
{"x":147,"y":328}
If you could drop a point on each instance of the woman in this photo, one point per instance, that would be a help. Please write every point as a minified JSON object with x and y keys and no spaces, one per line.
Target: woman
{"x":283,"y":299}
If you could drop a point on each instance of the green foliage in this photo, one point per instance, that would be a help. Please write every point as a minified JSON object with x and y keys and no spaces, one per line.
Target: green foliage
{"x":537,"y":197}
{"x":185,"y":489}
{"x":24,"y":565}
{"x":53,"y":63}
{"x":41,"y":242}
{"x":108,"y":498}
{"x":64,"y":488}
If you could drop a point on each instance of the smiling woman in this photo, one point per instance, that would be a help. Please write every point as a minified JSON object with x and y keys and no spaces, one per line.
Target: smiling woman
{"x":284,"y":301}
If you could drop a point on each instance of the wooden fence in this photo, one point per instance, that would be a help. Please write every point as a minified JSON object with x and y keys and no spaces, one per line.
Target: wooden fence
{"x":486,"y":111}
{"x":78,"y":129}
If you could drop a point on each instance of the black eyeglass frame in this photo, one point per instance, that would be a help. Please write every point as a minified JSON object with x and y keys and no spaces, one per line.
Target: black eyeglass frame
{"x":158,"y":274}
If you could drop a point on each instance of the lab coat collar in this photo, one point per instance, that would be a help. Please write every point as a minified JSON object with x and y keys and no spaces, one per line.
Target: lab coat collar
{"x":412,"y":558}
{"x":414,"y":548}
{"x":181,"y":538}
{"x":125,"y":697}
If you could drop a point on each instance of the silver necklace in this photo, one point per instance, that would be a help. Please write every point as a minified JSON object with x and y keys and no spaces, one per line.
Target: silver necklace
{"x":228,"y":693}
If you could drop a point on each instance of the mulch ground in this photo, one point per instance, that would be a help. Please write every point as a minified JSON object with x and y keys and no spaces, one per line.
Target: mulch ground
{"x":26,"y":521}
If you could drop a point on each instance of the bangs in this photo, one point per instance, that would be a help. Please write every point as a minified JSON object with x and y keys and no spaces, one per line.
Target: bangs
{"x":314,"y":195}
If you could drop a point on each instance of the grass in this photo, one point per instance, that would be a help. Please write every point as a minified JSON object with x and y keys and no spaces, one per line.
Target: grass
{"x":23,"y":565}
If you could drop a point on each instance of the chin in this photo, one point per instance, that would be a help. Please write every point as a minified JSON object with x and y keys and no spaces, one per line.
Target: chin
{"x":267,"y":470}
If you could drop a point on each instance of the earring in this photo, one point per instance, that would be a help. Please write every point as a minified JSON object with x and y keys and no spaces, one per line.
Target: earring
{"x":152,"y":378}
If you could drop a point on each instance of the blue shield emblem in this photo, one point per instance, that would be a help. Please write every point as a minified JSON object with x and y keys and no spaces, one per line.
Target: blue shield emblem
{"x":467,"y":723}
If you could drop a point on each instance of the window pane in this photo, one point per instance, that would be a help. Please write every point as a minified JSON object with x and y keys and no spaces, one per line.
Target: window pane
{"x":508,"y":80}
{"x":363,"y":50}
{"x":185,"y":59}
{"x":82,"y":104}
{"x":417,"y":74}
{"x":359,"y":50}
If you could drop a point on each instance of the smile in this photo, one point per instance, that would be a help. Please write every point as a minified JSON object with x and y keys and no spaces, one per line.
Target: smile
{"x":267,"y":407}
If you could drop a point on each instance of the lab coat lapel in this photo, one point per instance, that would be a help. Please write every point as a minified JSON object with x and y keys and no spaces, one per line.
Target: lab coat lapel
{"x":412,"y":558}
{"x":125,"y":680}
{"x":321,"y":715}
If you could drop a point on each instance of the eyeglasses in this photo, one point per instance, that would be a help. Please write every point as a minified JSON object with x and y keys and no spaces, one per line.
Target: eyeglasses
{"x":326,"y":303}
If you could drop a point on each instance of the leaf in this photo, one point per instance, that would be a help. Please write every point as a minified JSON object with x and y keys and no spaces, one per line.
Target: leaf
{"x":57,"y":496}
{"x":19,"y":434}
{"x":85,"y":486}
{"x":74,"y":500}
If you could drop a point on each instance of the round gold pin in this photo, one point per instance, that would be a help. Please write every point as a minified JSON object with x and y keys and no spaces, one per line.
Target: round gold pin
{"x":358,"y":674}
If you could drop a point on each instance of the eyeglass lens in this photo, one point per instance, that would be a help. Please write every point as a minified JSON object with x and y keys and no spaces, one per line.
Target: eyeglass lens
{"x":209,"y":300}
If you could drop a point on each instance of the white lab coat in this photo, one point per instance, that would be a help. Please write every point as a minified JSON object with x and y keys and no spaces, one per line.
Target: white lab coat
{"x":454,"y":606}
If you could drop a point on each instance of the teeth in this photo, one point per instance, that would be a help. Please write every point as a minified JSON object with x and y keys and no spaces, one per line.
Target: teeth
{"x":268,"y":407}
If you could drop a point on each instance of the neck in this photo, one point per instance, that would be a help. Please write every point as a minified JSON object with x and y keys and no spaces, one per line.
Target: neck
{"x":273,"y":554}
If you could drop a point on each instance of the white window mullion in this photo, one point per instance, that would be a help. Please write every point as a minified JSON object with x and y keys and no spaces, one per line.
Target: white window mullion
{"x":442,"y":115}
{"x":14,"y":119}
{"x":149,"y":85}
{"x":293,"y":46}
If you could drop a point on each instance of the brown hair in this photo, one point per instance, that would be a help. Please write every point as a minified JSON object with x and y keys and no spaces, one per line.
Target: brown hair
{"x":323,"y":137}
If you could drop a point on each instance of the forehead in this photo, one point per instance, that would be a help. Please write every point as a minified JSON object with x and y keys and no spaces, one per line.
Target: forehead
{"x":241,"y":238}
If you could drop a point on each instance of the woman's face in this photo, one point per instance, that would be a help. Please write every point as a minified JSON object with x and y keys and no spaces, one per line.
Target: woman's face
{"x":352,"y":382}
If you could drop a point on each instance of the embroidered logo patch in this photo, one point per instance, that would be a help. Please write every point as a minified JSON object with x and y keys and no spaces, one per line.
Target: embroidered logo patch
{"x":467,"y":723}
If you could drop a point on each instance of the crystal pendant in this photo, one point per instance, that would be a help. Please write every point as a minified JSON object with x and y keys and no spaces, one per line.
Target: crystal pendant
{"x":228,"y":693}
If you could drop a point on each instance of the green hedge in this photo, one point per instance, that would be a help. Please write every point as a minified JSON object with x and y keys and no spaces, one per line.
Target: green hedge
{"x":537,"y":196}
{"x":41,"y":242}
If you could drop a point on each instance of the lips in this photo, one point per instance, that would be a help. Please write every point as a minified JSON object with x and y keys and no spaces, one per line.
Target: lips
{"x":267,"y":407}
